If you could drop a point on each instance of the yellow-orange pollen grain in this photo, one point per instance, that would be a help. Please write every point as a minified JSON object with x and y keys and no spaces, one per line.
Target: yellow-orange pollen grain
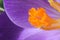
{"x":39,"y":19}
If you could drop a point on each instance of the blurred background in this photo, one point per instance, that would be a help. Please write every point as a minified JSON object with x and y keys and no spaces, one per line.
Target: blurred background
{"x":1,"y":5}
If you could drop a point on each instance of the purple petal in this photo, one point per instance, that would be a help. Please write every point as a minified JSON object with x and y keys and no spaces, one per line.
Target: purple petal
{"x":8,"y":30}
{"x":37,"y":34}
{"x":17,"y":10}
{"x":58,"y":1}
{"x":28,"y":32}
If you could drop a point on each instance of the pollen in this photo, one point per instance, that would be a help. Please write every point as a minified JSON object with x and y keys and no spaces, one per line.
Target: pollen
{"x":38,"y":18}
{"x":54,"y":4}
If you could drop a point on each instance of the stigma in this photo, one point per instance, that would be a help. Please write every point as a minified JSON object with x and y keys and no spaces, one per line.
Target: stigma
{"x":38,"y":18}
{"x":55,"y":4}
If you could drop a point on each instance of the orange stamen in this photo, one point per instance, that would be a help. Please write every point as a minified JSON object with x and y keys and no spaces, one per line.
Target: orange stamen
{"x":39,"y":19}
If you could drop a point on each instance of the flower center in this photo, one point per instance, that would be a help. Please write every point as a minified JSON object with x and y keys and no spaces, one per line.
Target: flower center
{"x":38,"y":18}
{"x":55,"y":4}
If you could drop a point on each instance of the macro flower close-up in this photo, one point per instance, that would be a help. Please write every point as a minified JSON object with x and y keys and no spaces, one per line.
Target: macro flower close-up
{"x":30,"y":19}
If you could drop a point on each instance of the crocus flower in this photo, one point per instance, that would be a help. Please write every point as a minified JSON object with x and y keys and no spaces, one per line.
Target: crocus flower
{"x":23,"y":13}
